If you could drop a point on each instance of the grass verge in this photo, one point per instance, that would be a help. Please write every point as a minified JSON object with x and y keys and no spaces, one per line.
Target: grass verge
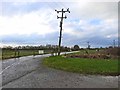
{"x":83,"y":65}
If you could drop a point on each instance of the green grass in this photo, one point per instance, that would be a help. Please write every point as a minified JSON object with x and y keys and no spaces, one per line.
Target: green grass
{"x":11,"y":53}
{"x":84,"y":52}
{"x":83,"y":65}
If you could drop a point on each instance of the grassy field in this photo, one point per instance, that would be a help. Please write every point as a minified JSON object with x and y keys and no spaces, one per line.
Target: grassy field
{"x":84,"y":52}
{"x":11,"y":53}
{"x":83,"y":65}
{"x":111,"y":53}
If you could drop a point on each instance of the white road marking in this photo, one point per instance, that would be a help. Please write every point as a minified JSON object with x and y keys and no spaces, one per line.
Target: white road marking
{"x":16,"y":63}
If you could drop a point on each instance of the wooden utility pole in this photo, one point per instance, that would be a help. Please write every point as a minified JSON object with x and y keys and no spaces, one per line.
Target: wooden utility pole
{"x":61,"y":22}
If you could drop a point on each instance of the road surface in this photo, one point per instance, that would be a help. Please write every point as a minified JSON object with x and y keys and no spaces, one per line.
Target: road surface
{"x":28,"y":72}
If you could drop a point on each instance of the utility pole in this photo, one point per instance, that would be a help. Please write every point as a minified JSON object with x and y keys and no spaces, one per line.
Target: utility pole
{"x":114,"y":43}
{"x":61,"y":22}
{"x":88,"y":45}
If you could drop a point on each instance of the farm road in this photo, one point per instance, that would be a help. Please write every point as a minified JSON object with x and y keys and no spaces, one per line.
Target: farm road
{"x":28,"y":72}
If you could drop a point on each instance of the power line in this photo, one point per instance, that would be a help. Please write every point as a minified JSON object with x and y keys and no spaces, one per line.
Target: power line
{"x":61,"y":22}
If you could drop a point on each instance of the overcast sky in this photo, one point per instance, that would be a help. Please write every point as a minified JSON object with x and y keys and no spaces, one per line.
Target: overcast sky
{"x":36,"y":23}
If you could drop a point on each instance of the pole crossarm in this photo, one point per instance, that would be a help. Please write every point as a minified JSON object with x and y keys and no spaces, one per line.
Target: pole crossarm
{"x":61,"y":22}
{"x":62,"y":17}
{"x":63,"y":11}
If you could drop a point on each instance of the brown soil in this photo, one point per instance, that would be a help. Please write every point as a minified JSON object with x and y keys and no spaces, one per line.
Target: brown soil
{"x":104,"y":54}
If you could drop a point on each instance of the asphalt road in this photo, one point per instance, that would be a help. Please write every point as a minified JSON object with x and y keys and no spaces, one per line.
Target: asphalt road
{"x":28,"y":72}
